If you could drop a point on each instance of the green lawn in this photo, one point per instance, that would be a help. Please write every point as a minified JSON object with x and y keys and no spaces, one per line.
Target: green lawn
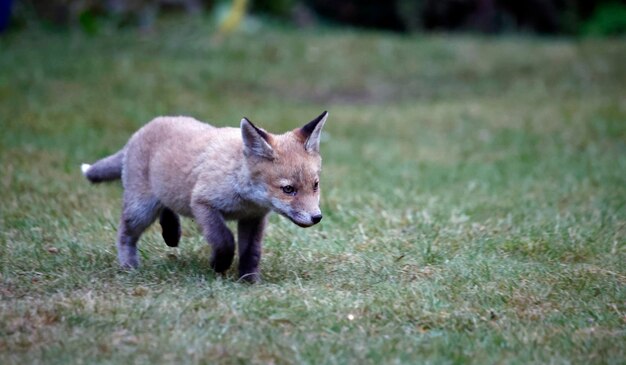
{"x":474,"y":195}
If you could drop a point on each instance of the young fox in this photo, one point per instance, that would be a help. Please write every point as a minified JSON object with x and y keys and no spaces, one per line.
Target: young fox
{"x":179,"y":166}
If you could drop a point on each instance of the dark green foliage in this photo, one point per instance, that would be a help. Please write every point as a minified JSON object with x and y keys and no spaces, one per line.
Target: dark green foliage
{"x":282,"y":8}
{"x":597,"y":17}
{"x":608,"y":19}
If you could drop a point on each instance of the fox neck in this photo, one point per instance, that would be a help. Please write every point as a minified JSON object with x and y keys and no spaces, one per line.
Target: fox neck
{"x":250,"y":191}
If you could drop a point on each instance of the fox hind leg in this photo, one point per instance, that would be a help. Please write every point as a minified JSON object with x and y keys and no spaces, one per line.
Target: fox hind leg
{"x":170,"y":225}
{"x":137,"y":215}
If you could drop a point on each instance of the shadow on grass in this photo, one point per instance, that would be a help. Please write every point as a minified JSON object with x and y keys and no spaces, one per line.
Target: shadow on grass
{"x":193,"y":266}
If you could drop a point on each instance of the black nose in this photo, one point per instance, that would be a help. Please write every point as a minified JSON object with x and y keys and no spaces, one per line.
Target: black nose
{"x":316,"y":218}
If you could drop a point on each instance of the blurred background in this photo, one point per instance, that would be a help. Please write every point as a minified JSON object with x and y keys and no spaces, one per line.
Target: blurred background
{"x":576,"y":17}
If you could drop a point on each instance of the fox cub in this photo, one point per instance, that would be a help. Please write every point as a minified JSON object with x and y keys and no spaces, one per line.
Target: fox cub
{"x":179,"y":166}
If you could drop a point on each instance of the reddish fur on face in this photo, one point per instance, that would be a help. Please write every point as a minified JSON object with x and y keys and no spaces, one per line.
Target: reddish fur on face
{"x":293,"y":165}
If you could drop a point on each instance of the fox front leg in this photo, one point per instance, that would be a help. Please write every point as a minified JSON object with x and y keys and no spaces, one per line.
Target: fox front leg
{"x":250,"y":238}
{"x":217,"y":235}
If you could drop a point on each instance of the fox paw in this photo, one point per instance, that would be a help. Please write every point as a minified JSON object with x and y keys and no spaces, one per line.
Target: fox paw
{"x":251,"y":277}
{"x":221,"y":263}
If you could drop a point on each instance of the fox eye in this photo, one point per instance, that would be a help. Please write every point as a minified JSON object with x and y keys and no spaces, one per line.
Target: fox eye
{"x":288,"y":189}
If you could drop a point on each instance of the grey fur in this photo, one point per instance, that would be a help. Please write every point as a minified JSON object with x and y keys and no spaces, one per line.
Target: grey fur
{"x":138,"y":213}
{"x":106,"y":169}
{"x":177,"y":165}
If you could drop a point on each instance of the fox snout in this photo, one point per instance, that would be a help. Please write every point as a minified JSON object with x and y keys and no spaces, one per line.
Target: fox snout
{"x":298,"y":214}
{"x":304,"y":219}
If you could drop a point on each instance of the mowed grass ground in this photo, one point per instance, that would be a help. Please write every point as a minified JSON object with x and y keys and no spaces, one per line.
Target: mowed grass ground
{"x":473,"y":192}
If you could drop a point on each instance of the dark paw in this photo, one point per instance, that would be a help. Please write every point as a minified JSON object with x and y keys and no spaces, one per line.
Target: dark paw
{"x":221,"y":263}
{"x":250,"y":277}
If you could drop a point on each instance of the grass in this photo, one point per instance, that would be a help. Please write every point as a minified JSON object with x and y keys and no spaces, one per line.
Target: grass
{"x":474,"y":195}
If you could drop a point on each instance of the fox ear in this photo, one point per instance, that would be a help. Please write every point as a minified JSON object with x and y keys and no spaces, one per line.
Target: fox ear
{"x":312,"y":132}
{"x":255,"y":140}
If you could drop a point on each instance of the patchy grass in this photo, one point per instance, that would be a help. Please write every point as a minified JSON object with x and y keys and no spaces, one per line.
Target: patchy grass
{"x":474,"y":195}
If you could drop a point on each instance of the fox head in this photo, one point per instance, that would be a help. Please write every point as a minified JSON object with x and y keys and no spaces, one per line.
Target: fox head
{"x":285,"y":169}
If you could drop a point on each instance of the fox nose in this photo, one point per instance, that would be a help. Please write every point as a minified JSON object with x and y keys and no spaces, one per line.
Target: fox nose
{"x":316,"y":218}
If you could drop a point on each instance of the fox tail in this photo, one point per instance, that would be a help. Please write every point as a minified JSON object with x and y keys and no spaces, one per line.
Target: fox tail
{"x":106,"y":169}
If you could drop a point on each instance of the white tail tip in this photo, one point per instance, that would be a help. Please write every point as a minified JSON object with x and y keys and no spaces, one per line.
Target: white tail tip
{"x":84,"y":167}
